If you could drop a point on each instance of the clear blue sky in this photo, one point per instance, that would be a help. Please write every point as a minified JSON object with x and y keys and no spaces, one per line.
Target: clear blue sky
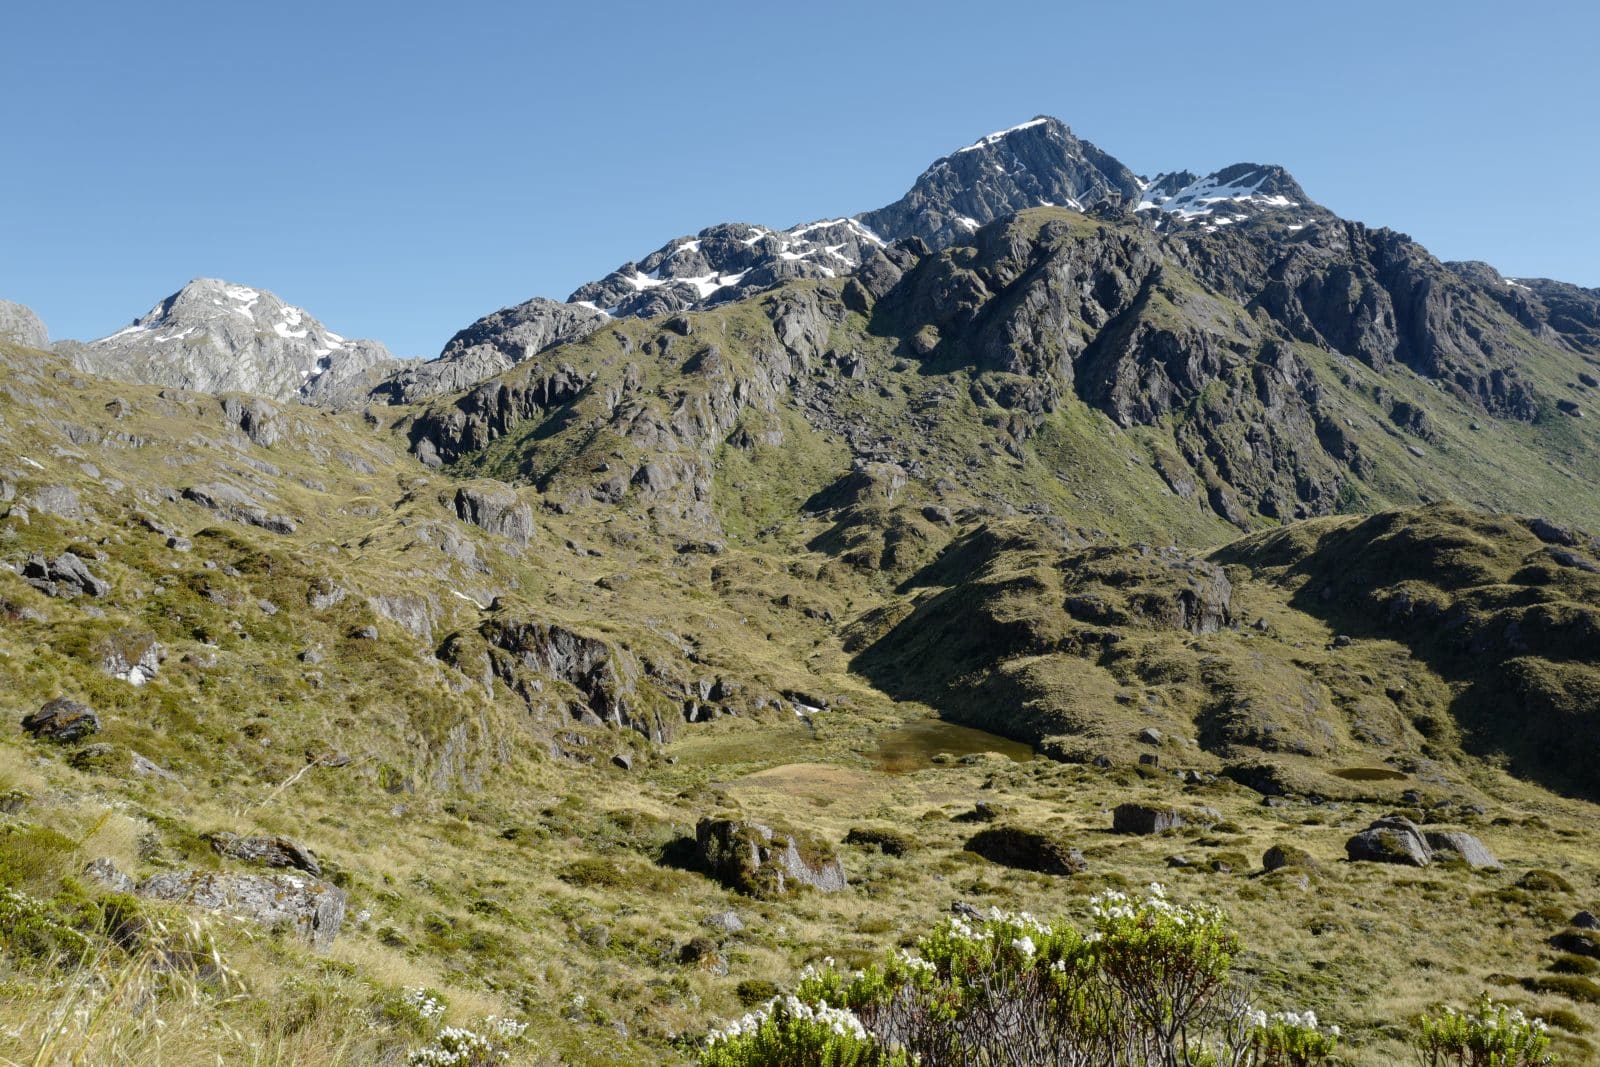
{"x":402,"y":168}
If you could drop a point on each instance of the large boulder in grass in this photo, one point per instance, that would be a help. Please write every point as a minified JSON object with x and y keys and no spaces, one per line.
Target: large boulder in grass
{"x":1447,"y":844}
{"x":1393,"y":839}
{"x":63,"y":721}
{"x":312,"y":908}
{"x":65,"y":577}
{"x":1146,"y":819}
{"x":1028,"y":850}
{"x":766,"y":862}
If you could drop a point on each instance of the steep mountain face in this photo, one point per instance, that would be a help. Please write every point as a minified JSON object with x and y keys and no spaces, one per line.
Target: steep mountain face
{"x":214,"y":336}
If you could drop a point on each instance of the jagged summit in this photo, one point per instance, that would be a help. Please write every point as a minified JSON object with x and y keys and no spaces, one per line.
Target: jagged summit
{"x":1039,"y":163}
{"x":1232,"y":194}
{"x":216,"y":336}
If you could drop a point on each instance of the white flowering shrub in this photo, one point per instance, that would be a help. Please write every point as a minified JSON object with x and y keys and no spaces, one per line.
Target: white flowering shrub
{"x":1491,"y":1035}
{"x":456,"y":1047}
{"x":1288,"y":1039}
{"x":792,"y":1031}
{"x":1148,"y":984}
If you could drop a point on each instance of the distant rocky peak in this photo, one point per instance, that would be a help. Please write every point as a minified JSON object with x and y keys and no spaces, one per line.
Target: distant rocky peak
{"x":216,"y":336}
{"x":1039,"y":163}
{"x":1229,"y":195}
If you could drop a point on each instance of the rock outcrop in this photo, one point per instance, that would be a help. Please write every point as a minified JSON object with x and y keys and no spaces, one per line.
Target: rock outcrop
{"x":1393,"y":839}
{"x":65,"y":576}
{"x":1028,"y":850}
{"x":312,"y":909}
{"x":20,"y":326}
{"x":764,"y":862}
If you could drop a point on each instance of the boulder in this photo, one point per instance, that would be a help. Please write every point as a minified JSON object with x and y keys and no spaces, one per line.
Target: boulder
{"x":66,"y":576}
{"x":1286,"y":856}
{"x":1585,"y":920}
{"x":266,"y":851}
{"x":1468,"y":848}
{"x":499,"y":510}
{"x":1028,"y":850}
{"x":1393,"y":839}
{"x":313,"y":909}
{"x":1145,"y":819}
{"x":726,"y":921}
{"x":63,"y":721}
{"x":764,"y":862}
{"x":130,"y":655}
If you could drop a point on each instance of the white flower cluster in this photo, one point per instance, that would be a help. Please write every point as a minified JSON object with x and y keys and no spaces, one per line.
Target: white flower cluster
{"x":505,"y":1029}
{"x":841,"y":1021}
{"x":914,"y":962}
{"x":956,"y":926}
{"x":426,"y":1004}
{"x":1113,"y":906}
{"x":1496,"y":1016}
{"x":1305,"y":1019}
{"x":456,"y":1047}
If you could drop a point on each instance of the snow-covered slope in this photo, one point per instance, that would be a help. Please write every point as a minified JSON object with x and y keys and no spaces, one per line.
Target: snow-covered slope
{"x":1230,"y":195}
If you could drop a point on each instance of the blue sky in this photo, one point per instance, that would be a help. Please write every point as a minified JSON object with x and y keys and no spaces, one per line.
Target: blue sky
{"x":400,"y":169}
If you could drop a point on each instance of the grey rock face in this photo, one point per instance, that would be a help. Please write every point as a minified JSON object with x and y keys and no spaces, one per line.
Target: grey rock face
{"x":63,"y":721}
{"x":105,"y":873}
{"x":20,"y":326}
{"x":214,"y":336}
{"x":312,"y":908}
{"x":1394,"y":839}
{"x":1231,"y":195}
{"x":497,"y":509}
{"x":755,"y":859}
{"x":58,"y":500}
{"x":267,"y":851}
{"x":1470,"y":850}
{"x":65,"y":576}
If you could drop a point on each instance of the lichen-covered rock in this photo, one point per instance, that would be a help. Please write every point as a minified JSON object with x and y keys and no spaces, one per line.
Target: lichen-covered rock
{"x":131,"y":655}
{"x":63,"y":721}
{"x":312,"y":908}
{"x":1393,"y":839}
{"x":62,"y":501}
{"x":267,"y":851}
{"x":1469,"y":849}
{"x":766,"y":862}
{"x":1028,"y":850}
{"x":104,"y":872}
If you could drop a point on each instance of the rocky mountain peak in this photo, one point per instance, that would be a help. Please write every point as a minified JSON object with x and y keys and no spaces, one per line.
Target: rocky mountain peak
{"x":19,"y":325}
{"x":1039,"y":163}
{"x":1232,"y":194}
{"x":216,"y":336}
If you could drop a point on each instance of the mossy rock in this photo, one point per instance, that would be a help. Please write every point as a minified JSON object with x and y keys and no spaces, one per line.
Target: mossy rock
{"x":1572,"y":986}
{"x":889,"y":842}
{"x":1567,"y":963}
{"x":1028,"y":850}
{"x":1286,"y":856}
{"x":1578,"y":942}
{"x":1538,"y":881}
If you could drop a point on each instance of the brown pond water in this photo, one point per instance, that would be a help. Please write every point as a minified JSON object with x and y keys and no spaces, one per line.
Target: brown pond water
{"x":913,"y":746}
{"x":1370,"y":774}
